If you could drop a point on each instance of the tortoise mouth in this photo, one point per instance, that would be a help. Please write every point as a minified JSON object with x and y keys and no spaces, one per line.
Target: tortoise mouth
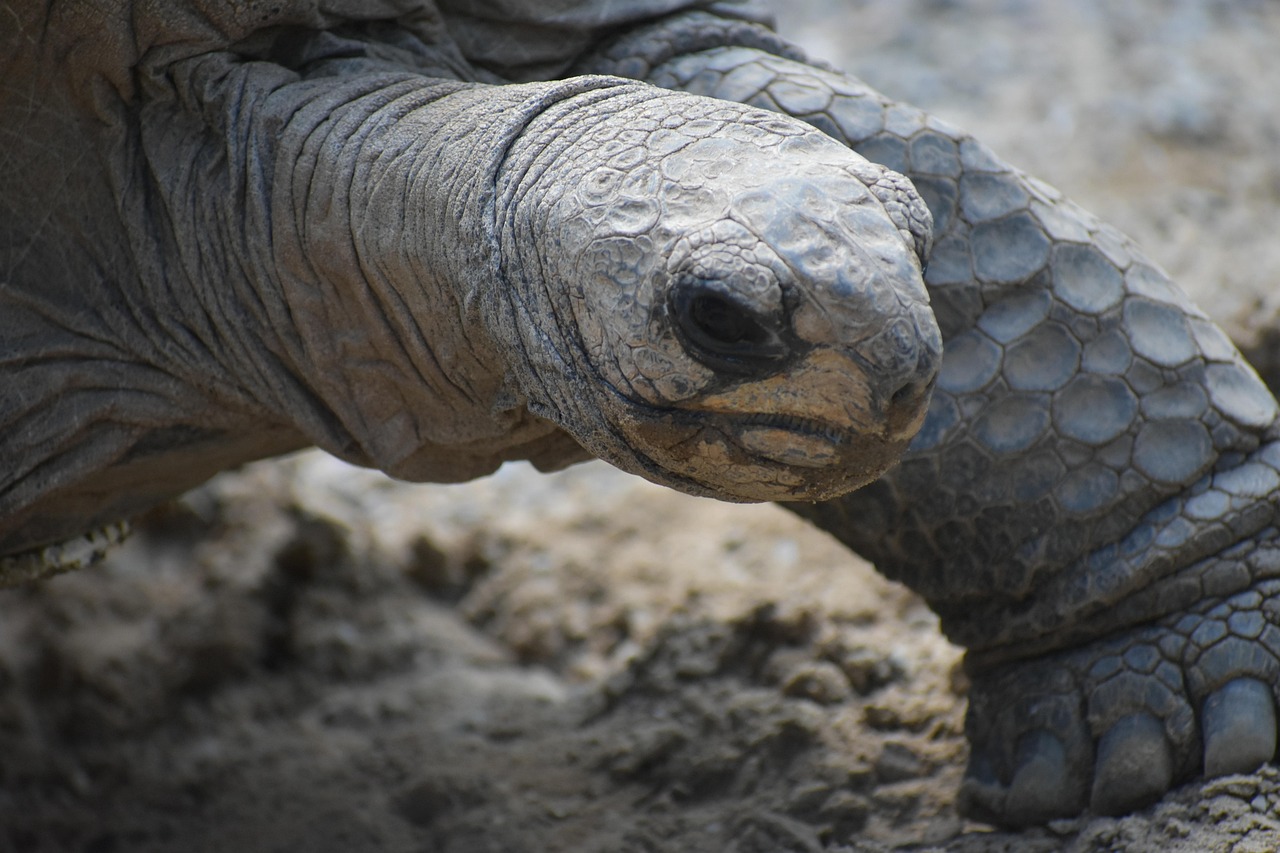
{"x":811,"y":428}
{"x":790,"y":441}
{"x":756,"y":433}
{"x":748,"y":455}
{"x":795,"y":446}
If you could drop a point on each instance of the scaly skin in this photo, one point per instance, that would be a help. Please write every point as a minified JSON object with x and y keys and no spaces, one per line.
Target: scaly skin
{"x":352,"y":239}
{"x":1090,"y":506}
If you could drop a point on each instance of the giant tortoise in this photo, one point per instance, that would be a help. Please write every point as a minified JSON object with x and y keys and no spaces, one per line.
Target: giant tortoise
{"x":431,"y":237}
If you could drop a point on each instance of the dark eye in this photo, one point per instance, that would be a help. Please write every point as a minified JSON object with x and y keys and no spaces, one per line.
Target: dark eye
{"x":720,"y":322}
{"x":724,"y":333}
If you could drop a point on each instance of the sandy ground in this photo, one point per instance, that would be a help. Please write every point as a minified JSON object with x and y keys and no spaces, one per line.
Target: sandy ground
{"x":303,"y":656}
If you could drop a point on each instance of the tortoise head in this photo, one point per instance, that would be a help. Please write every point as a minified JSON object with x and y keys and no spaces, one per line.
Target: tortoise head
{"x":741,"y":302}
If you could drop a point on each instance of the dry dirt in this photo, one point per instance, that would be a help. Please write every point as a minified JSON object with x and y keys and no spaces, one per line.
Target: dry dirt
{"x":303,"y":656}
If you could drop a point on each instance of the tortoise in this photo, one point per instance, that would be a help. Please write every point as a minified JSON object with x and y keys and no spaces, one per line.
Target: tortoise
{"x":433,"y":237}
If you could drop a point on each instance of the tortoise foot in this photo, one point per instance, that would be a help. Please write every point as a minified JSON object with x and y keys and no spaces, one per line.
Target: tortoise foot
{"x":1115,"y":724}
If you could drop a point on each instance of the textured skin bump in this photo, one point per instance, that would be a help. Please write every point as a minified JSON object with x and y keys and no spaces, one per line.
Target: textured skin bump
{"x":1090,"y":504}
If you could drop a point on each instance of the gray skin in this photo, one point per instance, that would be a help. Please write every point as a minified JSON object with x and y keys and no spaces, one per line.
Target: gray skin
{"x":230,"y":236}
{"x":209,"y":259}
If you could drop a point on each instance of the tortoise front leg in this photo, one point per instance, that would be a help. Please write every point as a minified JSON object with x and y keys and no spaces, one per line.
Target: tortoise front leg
{"x":1090,"y":503}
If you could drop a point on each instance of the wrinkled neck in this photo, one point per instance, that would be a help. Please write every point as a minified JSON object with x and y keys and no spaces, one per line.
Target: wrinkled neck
{"x":374,"y":294}
{"x":539,"y":312}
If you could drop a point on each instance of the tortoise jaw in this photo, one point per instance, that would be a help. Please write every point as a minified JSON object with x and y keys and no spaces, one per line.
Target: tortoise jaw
{"x":815,"y":433}
{"x":757,"y":457}
{"x":792,"y":440}
{"x":829,"y":461}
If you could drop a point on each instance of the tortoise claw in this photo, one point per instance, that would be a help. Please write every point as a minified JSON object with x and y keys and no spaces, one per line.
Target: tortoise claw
{"x":1239,"y":727}
{"x":1040,"y":785}
{"x":1134,"y":766}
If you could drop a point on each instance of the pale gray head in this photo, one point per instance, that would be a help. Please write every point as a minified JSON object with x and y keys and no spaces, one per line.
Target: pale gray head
{"x":739,"y":301}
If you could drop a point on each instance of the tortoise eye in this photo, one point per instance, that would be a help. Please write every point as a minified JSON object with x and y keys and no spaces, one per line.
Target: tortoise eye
{"x":723,"y":332}
{"x":719,"y":322}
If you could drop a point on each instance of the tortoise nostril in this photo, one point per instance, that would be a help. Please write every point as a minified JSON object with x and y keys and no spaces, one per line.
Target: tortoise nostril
{"x":912,"y":394}
{"x":914,"y":381}
{"x":907,"y":394}
{"x":908,"y":360}
{"x":906,"y":406}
